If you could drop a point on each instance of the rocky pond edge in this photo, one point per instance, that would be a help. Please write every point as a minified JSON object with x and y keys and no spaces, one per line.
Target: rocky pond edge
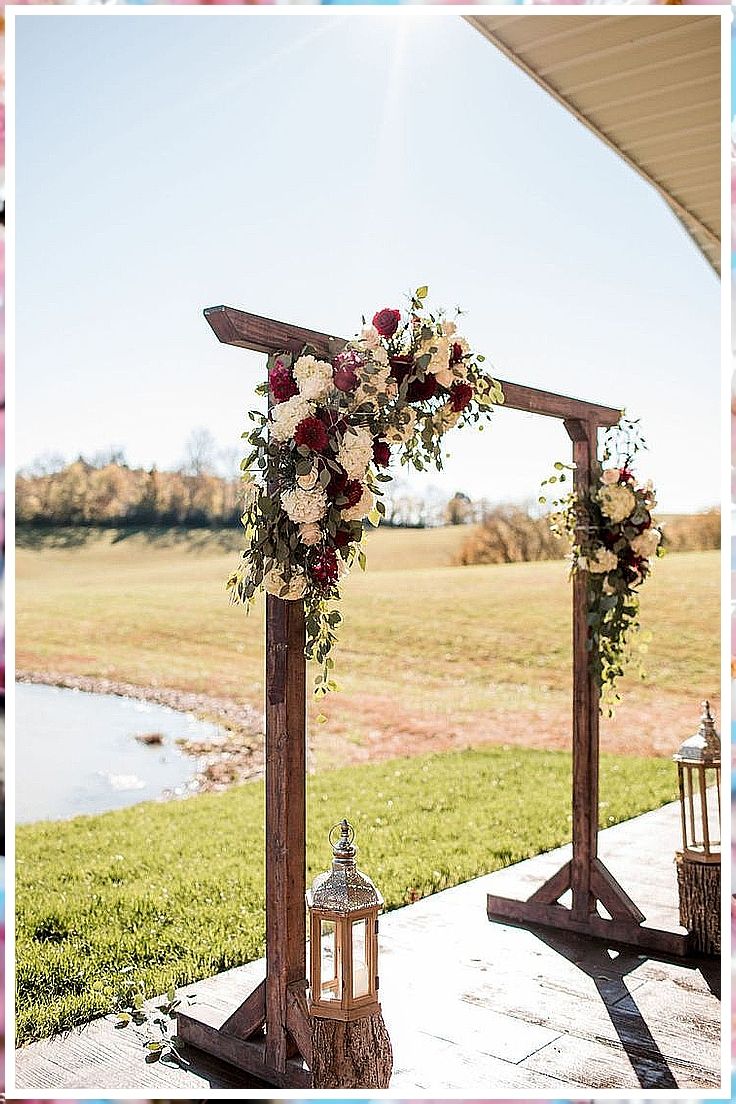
{"x":235,"y":757}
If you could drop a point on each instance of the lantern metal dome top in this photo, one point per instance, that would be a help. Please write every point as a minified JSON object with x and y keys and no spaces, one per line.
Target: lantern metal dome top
{"x":344,"y":888}
{"x":705,"y":746}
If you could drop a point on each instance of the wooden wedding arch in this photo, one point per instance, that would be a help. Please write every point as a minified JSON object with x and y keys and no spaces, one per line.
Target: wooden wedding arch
{"x":268,"y":1035}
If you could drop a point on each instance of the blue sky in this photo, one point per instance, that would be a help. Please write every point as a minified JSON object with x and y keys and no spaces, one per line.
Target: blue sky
{"x":314,"y":168}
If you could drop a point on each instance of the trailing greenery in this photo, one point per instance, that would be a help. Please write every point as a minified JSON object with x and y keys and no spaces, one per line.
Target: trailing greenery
{"x":165,"y":894}
{"x":614,"y":538}
{"x":317,"y":461}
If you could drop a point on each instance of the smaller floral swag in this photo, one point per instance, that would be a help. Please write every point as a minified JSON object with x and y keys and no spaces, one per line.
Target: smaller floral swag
{"x":319,"y":457}
{"x":620,"y":540}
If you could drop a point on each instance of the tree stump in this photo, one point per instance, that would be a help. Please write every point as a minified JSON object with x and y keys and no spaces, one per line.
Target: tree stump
{"x":351,"y":1055}
{"x":699,"y":886}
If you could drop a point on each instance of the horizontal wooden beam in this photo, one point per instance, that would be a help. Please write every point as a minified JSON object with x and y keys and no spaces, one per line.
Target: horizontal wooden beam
{"x":245,"y":1054}
{"x":614,"y":931}
{"x":264,"y":335}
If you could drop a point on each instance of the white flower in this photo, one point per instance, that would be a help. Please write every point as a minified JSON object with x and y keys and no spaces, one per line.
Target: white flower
{"x":448,"y":328}
{"x":370,"y":337}
{"x":356,"y":452}
{"x":301,"y":505}
{"x":275,"y":582}
{"x":309,"y":480}
{"x":610,"y":476}
{"x":399,"y":434}
{"x":646,"y":543}
{"x":313,"y":377}
{"x":617,"y":502}
{"x":361,"y":508}
{"x":380,"y":356}
{"x":286,"y":416}
{"x":310,"y":533}
{"x":602,"y":560}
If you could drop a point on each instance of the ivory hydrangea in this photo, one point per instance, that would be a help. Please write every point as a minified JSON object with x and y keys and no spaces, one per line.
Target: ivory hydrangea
{"x":602,"y":561}
{"x":616,"y":501}
{"x":302,"y":506}
{"x":286,"y":416}
{"x":310,"y":533}
{"x":313,"y":377}
{"x":646,"y":543}
{"x":356,"y":452}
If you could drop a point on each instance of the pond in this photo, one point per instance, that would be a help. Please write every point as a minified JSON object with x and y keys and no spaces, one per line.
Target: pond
{"x":78,"y":753}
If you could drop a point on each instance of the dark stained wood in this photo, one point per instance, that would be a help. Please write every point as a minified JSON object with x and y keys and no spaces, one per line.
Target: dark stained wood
{"x":612,"y":896}
{"x":265,"y":335}
{"x":245,"y":1054}
{"x":250,"y":1016}
{"x":585,"y":697}
{"x":285,"y":817}
{"x":298,"y":1021}
{"x":554,"y":887}
{"x":611,"y":931}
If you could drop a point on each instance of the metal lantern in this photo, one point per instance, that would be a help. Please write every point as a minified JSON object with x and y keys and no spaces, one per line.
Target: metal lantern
{"x":343,"y":927}
{"x":699,"y":770}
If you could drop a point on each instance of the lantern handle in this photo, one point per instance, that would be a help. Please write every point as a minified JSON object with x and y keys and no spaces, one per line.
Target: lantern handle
{"x":347,"y":835}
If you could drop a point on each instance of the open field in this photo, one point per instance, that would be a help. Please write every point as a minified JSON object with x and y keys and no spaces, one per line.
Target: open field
{"x":158,"y":895}
{"x":431,"y":656}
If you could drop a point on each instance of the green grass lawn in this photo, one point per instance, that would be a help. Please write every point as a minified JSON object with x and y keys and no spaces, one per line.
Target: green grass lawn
{"x":165,"y":894}
{"x":435,"y":643}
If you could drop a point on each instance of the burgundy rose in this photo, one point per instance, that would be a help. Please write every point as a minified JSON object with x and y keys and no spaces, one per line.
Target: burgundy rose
{"x":381,"y":453}
{"x":345,"y":379}
{"x":337,"y":484}
{"x":324,"y":567}
{"x":460,"y":396}
{"x":346,"y":366}
{"x":419,"y":390}
{"x":387,"y":321}
{"x":353,"y":492}
{"x":281,"y":382}
{"x":312,"y":433}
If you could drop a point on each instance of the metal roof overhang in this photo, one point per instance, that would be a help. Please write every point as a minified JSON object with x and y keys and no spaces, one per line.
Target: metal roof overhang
{"x":647,"y":86}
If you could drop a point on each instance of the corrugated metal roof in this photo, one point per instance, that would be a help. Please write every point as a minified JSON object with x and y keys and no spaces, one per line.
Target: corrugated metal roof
{"x":648,"y":86}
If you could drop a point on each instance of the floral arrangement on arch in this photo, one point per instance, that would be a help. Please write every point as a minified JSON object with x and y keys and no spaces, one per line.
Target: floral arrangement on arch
{"x":318,"y":458}
{"x":614,"y":537}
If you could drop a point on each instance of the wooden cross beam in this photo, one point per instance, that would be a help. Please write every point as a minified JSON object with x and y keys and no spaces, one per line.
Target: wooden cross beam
{"x":268,"y":1034}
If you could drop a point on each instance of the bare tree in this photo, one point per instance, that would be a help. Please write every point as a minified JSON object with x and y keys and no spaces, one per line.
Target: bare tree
{"x":200,"y":453}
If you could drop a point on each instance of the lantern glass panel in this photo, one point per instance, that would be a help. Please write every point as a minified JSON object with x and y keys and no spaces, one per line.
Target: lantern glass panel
{"x":361,"y":986}
{"x":701,"y":808}
{"x":330,"y":971}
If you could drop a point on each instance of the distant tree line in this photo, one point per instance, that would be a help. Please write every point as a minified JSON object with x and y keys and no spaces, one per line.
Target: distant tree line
{"x":104,"y":490}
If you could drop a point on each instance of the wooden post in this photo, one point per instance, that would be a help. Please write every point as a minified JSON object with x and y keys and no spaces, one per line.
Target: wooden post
{"x":285,"y":817}
{"x":585,"y":695}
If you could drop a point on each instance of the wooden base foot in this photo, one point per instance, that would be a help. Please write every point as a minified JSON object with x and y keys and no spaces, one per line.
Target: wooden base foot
{"x":351,"y":1055}
{"x":205,"y":1027}
{"x":699,"y":886}
{"x":615,"y":931}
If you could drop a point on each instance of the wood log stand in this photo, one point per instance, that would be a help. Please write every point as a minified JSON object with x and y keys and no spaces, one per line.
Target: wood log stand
{"x":270,"y":1035}
{"x":699,"y":888}
{"x":351,"y":1055}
